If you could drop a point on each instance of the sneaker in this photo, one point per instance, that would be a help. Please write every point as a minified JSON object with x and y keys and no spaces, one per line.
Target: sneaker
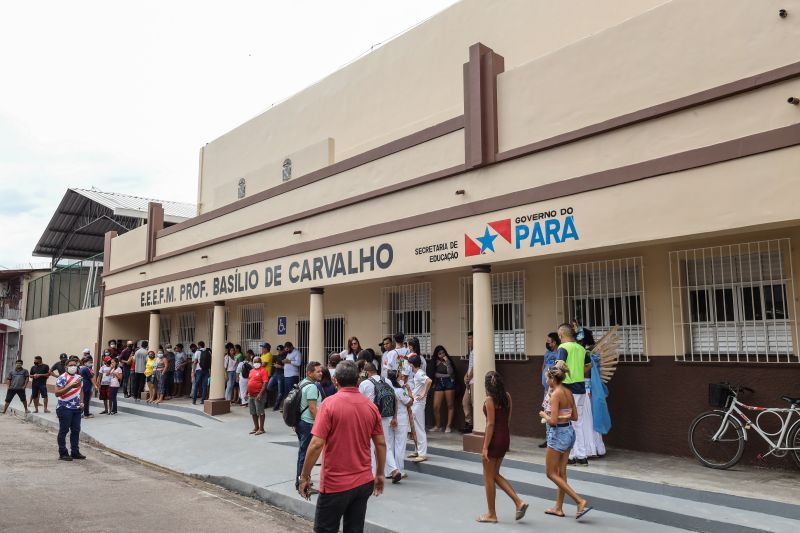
{"x":103,"y":412}
{"x":583,"y":462}
{"x":89,"y":416}
{"x":113,"y":412}
{"x":543,"y":445}
{"x":571,"y":461}
{"x":78,"y":455}
{"x":64,"y":458}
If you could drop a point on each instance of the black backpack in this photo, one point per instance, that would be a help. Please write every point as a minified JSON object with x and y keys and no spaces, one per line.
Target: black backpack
{"x":246,"y":370}
{"x":291,"y":405}
{"x":205,"y":360}
{"x":384,"y":398}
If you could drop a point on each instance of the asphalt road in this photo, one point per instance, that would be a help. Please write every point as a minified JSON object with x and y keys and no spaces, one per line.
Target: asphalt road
{"x":107,"y":492}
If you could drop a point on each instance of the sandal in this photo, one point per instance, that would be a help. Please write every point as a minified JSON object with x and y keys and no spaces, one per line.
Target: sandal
{"x":253,"y":432}
{"x":484,"y":518}
{"x":553,"y":512}
{"x":259,"y":432}
{"x":521,"y":511}
{"x":581,"y":512}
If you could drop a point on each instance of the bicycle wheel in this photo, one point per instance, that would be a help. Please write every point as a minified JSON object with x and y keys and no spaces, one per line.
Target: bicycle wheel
{"x":723,"y":452}
{"x":793,"y":441}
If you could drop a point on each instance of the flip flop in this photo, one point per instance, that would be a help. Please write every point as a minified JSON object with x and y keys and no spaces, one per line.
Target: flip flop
{"x":553,"y":513}
{"x":253,"y":432}
{"x":585,"y":510}
{"x":396,"y":478}
{"x":521,"y":511}
{"x":259,"y":432}
{"x":483,"y":519}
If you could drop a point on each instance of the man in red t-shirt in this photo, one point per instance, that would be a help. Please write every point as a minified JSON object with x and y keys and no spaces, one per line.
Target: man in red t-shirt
{"x":257,"y":391}
{"x":345,"y":425}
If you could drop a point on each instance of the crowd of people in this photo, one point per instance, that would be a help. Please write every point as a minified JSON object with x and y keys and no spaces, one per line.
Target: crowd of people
{"x":390,"y":390}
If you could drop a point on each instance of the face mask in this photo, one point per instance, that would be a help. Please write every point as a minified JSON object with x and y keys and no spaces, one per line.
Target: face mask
{"x":72,"y":369}
{"x":256,"y":365}
{"x":88,"y":365}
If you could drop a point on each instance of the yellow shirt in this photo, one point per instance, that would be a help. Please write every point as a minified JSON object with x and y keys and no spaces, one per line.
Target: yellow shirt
{"x":266,"y":360}
{"x":148,"y":367}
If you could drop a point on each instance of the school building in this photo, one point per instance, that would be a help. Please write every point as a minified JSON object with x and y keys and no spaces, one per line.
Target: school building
{"x":502,"y":168}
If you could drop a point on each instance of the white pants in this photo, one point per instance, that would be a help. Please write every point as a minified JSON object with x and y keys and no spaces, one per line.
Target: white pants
{"x":395,"y":446}
{"x":418,"y":410}
{"x":243,"y":390}
{"x":588,"y":442}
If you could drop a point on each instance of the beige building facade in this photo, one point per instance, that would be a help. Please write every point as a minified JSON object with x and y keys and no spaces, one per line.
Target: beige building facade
{"x":502,"y":168}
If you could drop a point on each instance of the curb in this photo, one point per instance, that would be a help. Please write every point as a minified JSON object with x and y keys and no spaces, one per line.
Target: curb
{"x":296,"y":506}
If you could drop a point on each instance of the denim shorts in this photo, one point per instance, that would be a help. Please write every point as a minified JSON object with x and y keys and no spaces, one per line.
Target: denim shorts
{"x":443,"y":384}
{"x":560,"y":438}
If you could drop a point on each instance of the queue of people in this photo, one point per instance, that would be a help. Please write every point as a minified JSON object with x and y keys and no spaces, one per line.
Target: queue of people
{"x":394,"y":388}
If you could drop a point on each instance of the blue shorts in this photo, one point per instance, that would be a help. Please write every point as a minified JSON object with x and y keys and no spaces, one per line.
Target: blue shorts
{"x":442,"y":384}
{"x":40,"y":389}
{"x":560,"y":438}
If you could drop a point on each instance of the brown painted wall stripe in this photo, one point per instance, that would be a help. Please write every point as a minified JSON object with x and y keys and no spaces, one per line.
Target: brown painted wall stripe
{"x":717,"y":153}
{"x":398,"y":145}
{"x":680,"y":104}
{"x":353,"y":200}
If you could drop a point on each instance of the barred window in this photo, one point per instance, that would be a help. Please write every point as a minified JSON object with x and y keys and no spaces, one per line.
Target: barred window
{"x":186,"y":329}
{"x":407,"y":309}
{"x":251,"y":326}
{"x":604,"y":294}
{"x":333,"y":334}
{"x":165,"y":332}
{"x":508,"y":314}
{"x":734,"y":303}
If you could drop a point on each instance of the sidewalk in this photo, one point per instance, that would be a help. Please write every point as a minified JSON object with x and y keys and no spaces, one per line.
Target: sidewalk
{"x":630,"y":491}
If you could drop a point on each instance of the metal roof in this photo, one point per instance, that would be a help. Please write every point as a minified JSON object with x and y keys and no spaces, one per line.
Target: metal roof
{"x":77,"y":228}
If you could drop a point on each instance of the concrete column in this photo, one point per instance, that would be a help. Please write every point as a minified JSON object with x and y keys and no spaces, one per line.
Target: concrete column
{"x":483,"y":347}
{"x":316,"y":326}
{"x":216,"y":403}
{"x":155,"y":328}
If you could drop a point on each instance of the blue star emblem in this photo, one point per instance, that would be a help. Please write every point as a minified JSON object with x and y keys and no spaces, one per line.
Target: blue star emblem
{"x":487,"y":241}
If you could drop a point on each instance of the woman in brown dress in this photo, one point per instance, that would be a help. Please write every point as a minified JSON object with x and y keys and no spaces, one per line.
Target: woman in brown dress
{"x":497,"y":409}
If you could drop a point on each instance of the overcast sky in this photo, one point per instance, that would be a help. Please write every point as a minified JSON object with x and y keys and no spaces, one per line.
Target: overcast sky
{"x":122,"y":95}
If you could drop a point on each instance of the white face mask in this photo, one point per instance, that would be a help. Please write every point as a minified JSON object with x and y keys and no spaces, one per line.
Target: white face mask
{"x":72,"y":369}
{"x":256,"y":365}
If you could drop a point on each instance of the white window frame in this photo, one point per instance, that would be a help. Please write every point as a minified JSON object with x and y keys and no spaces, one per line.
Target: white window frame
{"x":164,"y":329}
{"x":187,"y":328}
{"x":210,"y":324}
{"x":508,"y":306}
{"x":720,"y":304}
{"x":407,"y":309}
{"x":598,"y":285}
{"x":251,"y":326}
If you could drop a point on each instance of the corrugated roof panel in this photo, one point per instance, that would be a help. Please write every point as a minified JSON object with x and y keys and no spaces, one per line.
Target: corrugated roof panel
{"x":114,"y":200}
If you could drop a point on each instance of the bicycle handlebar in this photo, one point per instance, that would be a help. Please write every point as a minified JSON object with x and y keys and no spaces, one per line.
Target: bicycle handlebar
{"x":738,"y":388}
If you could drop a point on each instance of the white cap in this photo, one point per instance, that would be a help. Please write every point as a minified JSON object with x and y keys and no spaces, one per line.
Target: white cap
{"x":87,"y":350}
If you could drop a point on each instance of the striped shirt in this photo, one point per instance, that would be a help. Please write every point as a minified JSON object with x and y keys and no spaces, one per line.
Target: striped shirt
{"x":72,"y":398}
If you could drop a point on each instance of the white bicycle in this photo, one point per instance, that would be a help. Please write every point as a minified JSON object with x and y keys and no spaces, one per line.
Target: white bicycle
{"x":717,"y":437}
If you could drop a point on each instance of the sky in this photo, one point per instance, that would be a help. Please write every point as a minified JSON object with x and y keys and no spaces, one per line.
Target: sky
{"x":121,"y":95}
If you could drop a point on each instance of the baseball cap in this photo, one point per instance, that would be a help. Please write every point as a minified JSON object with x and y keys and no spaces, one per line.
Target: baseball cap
{"x":87,"y":350}
{"x":107,"y":358}
{"x":265,"y":345}
{"x":62,"y":356}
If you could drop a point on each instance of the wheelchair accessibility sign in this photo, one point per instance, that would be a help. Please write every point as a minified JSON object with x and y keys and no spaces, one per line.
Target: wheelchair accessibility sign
{"x":281,"y":325}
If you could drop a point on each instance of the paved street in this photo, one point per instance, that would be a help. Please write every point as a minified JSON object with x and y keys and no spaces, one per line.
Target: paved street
{"x":630,"y":491}
{"x":106,"y":493}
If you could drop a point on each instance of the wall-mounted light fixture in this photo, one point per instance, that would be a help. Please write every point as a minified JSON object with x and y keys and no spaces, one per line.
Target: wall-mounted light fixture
{"x":794,"y":100}
{"x":203,"y":257}
{"x":783,"y":13}
{"x":460,"y":191}
{"x":297,"y":232}
{"x":142,"y":273}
